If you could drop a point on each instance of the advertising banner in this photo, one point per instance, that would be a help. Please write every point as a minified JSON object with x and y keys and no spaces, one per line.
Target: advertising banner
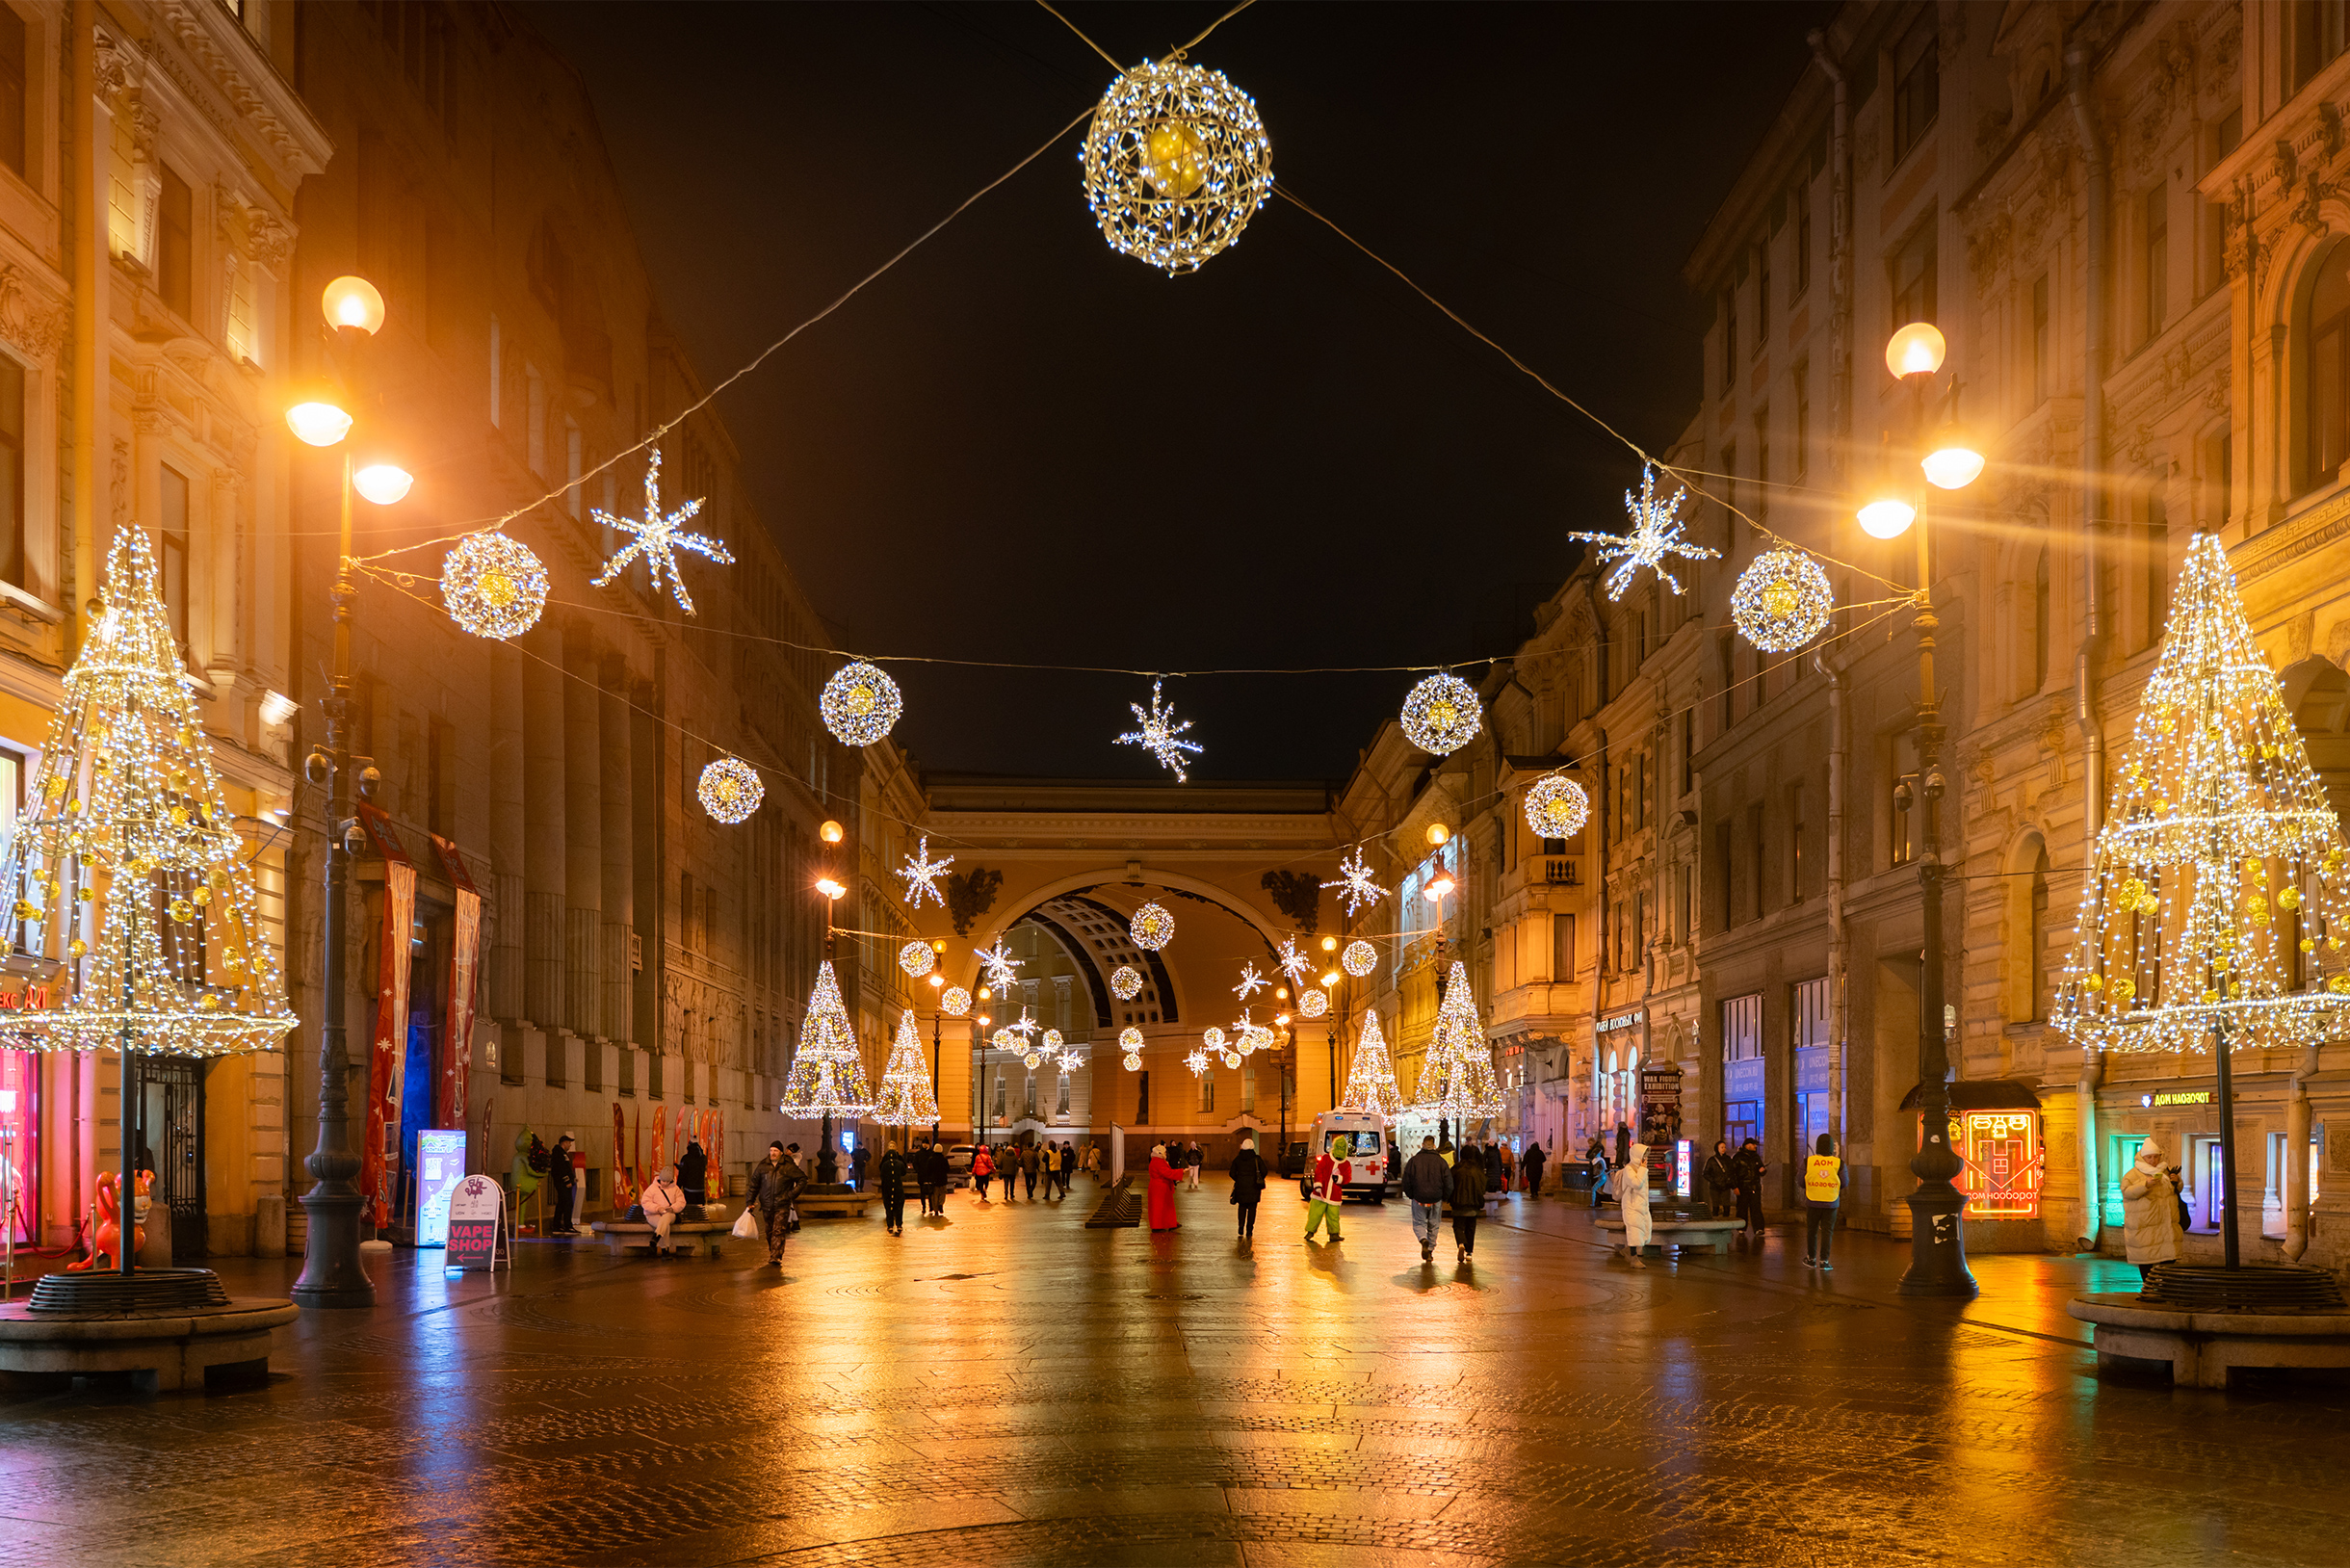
{"x":440,"y":1166}
{"x":388,"y":1038}
{"x":477,"y":1225}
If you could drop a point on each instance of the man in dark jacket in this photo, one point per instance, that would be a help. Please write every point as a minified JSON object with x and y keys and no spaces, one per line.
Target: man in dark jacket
{"x":857,"y":1163}
{"x":562,"y":1188}
{"x":1247,"y":1172}
{"x":921,"y":1164}
{"x":1748,"y":1167}
{"x":775,"y":1182}
{"x":930,"y":1170}
{"x":694,"y":1177}
{"x":1720,"y":1180}
{"x":1468,"y":1198}
{"x":1493,"y":1168}
{"x":1623,"y":1144}
{"x":893,"y":1191}
{"x":1426,"y":1180}
{"x":1534,"y":1161}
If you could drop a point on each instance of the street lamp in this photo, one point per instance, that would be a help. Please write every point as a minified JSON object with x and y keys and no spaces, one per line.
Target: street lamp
{"x":1938,"y":1247}
{"x":333,"y":1275}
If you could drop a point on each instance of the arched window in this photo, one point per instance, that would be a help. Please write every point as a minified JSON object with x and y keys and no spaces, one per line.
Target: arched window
{"x":2027,"y":933}
{"x":2326,"y":372}
{"x":2040,"y":623}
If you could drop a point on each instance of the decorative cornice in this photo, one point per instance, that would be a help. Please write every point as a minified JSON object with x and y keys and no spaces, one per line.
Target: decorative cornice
{"x":239,"y":73}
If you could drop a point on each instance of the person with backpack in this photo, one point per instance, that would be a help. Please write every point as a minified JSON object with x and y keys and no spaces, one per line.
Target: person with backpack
{"x":1823,"y":1188}
{"x":1030,"y":1162}
{"x":1426,"y":1179}
{"x":1247,"y":1172}
{"x":1468,"y":1198}
{"x":1532,"y":1164}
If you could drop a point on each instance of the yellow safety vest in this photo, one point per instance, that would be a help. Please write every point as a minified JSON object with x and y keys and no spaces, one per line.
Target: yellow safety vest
{"x":1819,"y":1179}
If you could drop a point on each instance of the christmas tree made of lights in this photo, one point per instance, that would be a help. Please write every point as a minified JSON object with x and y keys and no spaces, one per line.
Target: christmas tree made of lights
{"x":906,"y":1099}
{"x":1371,"y":1082}
{"x":827,"y":1073}
{"x":2218,"y":898}
{"x":127,"y":867}
{"x":1456,"y":1078}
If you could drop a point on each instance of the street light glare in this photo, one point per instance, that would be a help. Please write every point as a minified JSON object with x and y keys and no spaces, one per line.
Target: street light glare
{"x":353,"y":302}
{"x":1952,"y":465}
{"x":384,"y":484}
{"x":1916,"y":349}
{"x":1887,"y":519}
{"x":829,"y":888}
{"x":318,"y":424}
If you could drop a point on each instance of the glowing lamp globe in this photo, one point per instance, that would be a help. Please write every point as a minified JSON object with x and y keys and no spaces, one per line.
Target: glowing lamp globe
{"x":1887,"y":519}
{"x":353,"y":302}
{"x":318,"y":424}
{"x":1916,"y":349}
{"x":1174,"y":160}
{"x":1952,"y":464}
{"x":384,"y":484}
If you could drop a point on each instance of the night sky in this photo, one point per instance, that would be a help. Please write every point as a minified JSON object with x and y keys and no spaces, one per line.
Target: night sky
{"x":1022,"y":446}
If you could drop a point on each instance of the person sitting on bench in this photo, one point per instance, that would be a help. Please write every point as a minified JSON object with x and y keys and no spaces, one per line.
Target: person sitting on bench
{"x":663,"y":1202}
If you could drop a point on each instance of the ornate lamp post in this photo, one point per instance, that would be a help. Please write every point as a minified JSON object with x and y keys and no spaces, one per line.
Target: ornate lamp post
{"x":333,"y":1275}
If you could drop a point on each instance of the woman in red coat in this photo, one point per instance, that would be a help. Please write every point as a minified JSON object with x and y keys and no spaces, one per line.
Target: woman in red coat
{"x":1163,"y":1178}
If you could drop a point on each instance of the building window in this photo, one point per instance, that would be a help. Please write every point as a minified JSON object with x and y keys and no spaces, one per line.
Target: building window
{"x":1763,"y":462}
{"x":1901,"y":802}
{"x":1562,"y":948}
{"x":11,"y":88}
{"x":1803,"y":243}
{"x":11,"y":473}
{"x":2225,"y":138}
{"x":175,"y":244}
{"x":237,"y":316}
{"x":1730,"y":341}
{"x":2155,"y":269}
{"x":1803,"y":418}
{"x":2318,"y":36}
{"x":2042,"y":608}
{"x":571,"y":467}
{"x":1794,"y":843}
{"x":1913,"y":278}
{"x":173,"y":564}
{"x":1207,"y":1091}
{"x":2328,"y":371}
{"x":2040,"y":339}
{"x":497,"y":368}
{"x":1754,"y":856}
{"x":1742,"y":1068}
{"x":1248,"y":1086}
{"x":1917,"y":85}
{"x":536,"y":437}
{"x":1762,"y":296}
{"x":2153,"y":565}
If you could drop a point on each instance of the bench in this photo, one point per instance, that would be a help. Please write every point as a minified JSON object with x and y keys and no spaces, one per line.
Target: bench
{"x":2201,"y":1347}
{"x":1688,"y":1235}
{"x":635,"y":1235}
{"x":834,"y":1205}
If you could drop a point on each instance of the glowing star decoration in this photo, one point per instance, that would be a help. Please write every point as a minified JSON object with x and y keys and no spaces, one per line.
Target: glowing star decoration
{"x":729,"y":790}
{"x":493,"y":585}
{"x":921,"y":874}
{"x":125,"y":839}
{"x":827,"y":1073}
{"x":1359,"y":959}
{"x":658,"y":538}
{"x":1556,"y":807}
{"x":859,"y":704}
{"x":1152,"y":927}
{"x":954,"y":1001}
{"x":1655,"y":537}
{"x":1197,"y":1061}
{"x":1441,"y":716}
{"x":1027,"y":1024}
{"x":2219,"y":895}
{"x":1002,"y":967}
{"x":1371,"y":1082}
{"x":1159,"y":735}
{"x":1782,"y":601}
{"x":1312,"y":1002}
{"x":906,"y":1099}
{"x":1293,"y":963}
{"x":1251,"y":982}
{"x":1176,"y":164}
{"x":917,"y":959}
{"x":1126,"y":982}
{"x":1354,"y":884}
{"x":1456,"y":1076}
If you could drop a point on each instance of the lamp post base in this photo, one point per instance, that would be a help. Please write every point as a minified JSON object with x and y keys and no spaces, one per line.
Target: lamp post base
{"x":1938,"y":1246}
{"x":333,"y":1275}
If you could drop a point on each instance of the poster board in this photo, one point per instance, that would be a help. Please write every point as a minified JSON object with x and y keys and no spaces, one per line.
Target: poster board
{"x":440,"y":1166}
{"x":1117,"y":1153}
{"x":479,"y":1234}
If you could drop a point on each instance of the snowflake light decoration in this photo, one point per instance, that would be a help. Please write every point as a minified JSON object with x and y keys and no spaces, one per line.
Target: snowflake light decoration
{"x":1197,"y":1061}
{"x":1441,"y":714}
{"x":1159,"y":735}
{"x":917,"y":959}
{"x":1152,"y":927}
{"x":1251,"y":982}
{"x":493,"y":585}
{"x":954,"y":1001}
{"x":1293,"y":963}
{"x":1556,"y":807}
{"x":921,"y":874}
{"x":1002,"y":967}
{"x":729,"y":790}
{"x":658,"y":538}
{"x":1312,"y":1003}
{"x":1354,"y":883}
{"x":1027,"y":1025}
{"x":859,"y":704}
{"x":1126,"y":982}
{"x":1176,"y":163}
{"x":1359,"y":959}
{"x":1656,"y":537}
{"x":1782,"y":600}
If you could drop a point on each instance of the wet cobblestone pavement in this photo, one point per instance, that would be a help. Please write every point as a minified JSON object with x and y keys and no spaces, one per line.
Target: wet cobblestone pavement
{"x":1006,"y":1387}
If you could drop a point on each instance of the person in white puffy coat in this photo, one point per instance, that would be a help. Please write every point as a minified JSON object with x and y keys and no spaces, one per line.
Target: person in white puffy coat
{"x":2150,"y":1210}
{"x":663,"y":1202}
{"x":1630,"y":1185}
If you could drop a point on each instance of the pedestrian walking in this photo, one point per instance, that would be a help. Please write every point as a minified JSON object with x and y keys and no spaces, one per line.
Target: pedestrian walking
{"x":1029,"y":1161}
{"x":1164,"y":1177}
{"x":1534,"y":1160}
{"x":1823,"y":1188}
{"x":663,"y":1201}
{"x":1497,"y":1174}
{"x":774,"y":1183}
{"x":1748,"y":1167}
{"x":893,"y":1191}
{"x":1596,"y":1158}
{"x":1631,"y":1200}
{"x":2149,"y":1211}
{"x":983,"y":1170}
{"x":857,"y":1163}
{"x":1247,"y":1172}
{"x":1426,"y":1180}
{"x":1509,"y":1165}
{"x":1191,"y":1168}
{"x":1468,"y":1200}
{"x":1721,"y":1181}
{"x":922,"y":1176}
{"x":938,"y":1176}
{"x":1332,"y":1172}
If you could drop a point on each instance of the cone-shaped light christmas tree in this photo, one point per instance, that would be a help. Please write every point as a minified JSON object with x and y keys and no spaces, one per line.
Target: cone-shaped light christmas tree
{"x":2219,"y":895}
{"x":127,"y":866}
{"x":906,"y":1100}
{"x":827,"y":1072}
{"x":1370,"y":1082}
{"x":1456,"y":1081}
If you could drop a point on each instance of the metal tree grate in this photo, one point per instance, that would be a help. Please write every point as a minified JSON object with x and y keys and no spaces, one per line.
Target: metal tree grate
{"x":116,"y":1295}
{"x":2260,"y":1288}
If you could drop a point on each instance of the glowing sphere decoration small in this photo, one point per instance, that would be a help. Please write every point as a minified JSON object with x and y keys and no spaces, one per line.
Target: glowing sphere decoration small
{"x":1130,"y":1038}
{"x":1782,"y":601}
{"x":493,"y":585}
{"x":1051,"y":1040}
{"x":1212,"y":1038}
{"x":1152,"y":927}
{"x":730,"y":791}
{"x":1032,"y":1061}
{"x":1126,"y":982}
{"x":859,"y":704}
{"x":1132,"y":1061}
{"x":1441,"y":714}
{"x":956,"y":1003}
{"x":1360,"y":958}
{"x":917,"y":959}
{"x":1556,"y":807}
{"x":1312,"y":1003}
{"x":1176,"y":164}
{"x":1232,"y":1059}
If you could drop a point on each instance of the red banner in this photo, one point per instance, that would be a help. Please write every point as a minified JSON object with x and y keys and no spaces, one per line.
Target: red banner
{"x":465,"y":966}
{"x":624,"y":1188}
{"x":389,"y":1037}
{"x":660,"y":1138}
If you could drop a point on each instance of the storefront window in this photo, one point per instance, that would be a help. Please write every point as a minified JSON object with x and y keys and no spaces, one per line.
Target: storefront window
{"x":1742,"y":1069}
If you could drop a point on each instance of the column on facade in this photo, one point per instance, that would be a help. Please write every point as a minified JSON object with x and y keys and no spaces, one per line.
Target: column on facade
{"x":616,"y":776}
{"x":507,"y":834}
{"x":583,"y":722}
{"x":543,"y":863}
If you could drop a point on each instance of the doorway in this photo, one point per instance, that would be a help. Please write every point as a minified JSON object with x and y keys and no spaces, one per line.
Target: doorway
{"x":171,"y":1134}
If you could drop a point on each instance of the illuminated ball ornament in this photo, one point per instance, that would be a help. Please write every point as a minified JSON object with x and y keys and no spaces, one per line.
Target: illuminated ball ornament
{"x":859,"y":704}
{"x":1232,"y":1059}
{"x":955,"y":1002}
{"x":730,"y":791}
{"x":1126,"y":982}
{"x":1176,"y":163}
{"x":1313,"y":1004}
{"x":1130,"y":1038}
{"x":917,"y":959}
{"x":1556,"y":807}
{"x":1152,"y":927}
{"x":1359,"y":959}
{"x":1132,"y":1061}
{"x":493,"y":585}
{"x":1782,"y":601}
{"x":1212,"y":1038}
{"x":1441,"y":714}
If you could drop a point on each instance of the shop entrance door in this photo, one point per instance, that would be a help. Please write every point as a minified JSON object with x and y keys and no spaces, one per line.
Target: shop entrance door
{"x":172,"y":1130}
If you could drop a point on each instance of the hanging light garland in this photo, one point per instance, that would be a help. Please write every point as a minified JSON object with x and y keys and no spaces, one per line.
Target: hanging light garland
{"x":1556,"y":807}
{"x":1782,"y":600}
{"x":1152,"y":927}
{"x":1176,"y":164}
{"x":658,"y":538}
{"x":1360,"y":958}
{"x":1126,"y":982}
{"x":1655,"y":537}
{"x":492,"y":585}
{"x":1441,"y":714}
{"x":730,"y":790}
{"x":859,"y":704}
{"x":917,"y":959}
{"x":1293,"y":963}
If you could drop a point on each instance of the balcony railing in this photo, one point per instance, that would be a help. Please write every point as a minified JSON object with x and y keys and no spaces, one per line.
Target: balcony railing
{"x":1561,"y":872}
